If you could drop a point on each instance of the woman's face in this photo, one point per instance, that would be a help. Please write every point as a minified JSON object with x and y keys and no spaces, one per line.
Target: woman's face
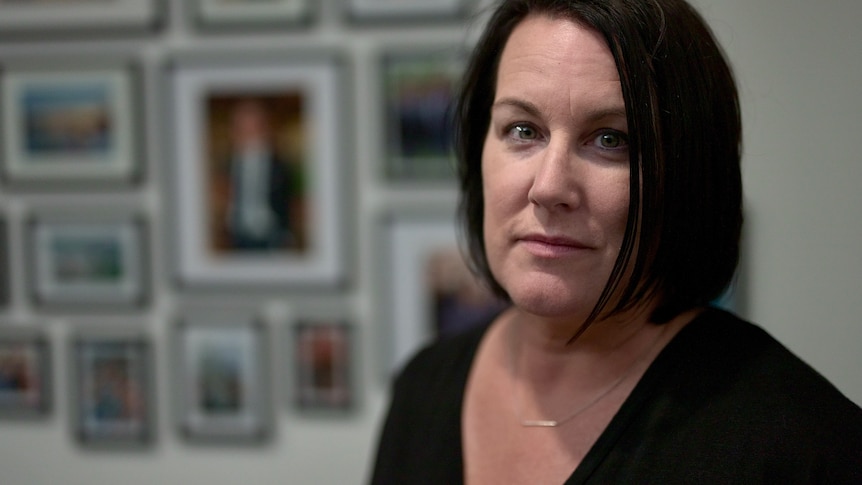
{"x":555,"y":168}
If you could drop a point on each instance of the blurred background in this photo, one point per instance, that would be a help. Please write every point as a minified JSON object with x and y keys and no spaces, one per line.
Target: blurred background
{"x":224,"y":224}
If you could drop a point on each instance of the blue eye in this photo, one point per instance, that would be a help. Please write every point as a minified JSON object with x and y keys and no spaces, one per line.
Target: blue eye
{"x":523,"y":132}
{"x":612,"y":140}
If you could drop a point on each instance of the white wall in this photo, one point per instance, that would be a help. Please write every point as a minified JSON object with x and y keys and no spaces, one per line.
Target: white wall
{"x":799,"y":65}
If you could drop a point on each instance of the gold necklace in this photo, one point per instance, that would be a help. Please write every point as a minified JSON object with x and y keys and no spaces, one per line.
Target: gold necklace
{"x":553,"y":423}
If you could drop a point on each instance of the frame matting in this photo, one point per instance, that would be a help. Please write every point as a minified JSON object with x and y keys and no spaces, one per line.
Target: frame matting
{"x":299,"y":235}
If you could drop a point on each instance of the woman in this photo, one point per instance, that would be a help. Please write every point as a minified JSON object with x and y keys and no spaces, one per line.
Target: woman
{"x":599,"y":159}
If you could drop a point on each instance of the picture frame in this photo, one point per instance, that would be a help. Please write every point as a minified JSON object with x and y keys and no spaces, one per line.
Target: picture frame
{"x":25,"y":372}
{"x":88,"y":259}
{"x":288,"y":229}
{"x":79,"y":16}
{"x":323,"y":361}
{"x":5,"y":279}
{"x":241,"y":14}
{"x":223,"y":386}
{"x":406,"y":10}
{"x":113,"y":402}
{"x":429,"y":292}
{"x":419,"y":89}
{"x":70,"y":125}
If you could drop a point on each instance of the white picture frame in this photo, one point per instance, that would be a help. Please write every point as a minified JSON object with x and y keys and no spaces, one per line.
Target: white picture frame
{"x":32,"y":17}
{"x":230,"y":14}
{"x":396,"y":10}
{"x":310,"y":90}
{"x":69,"y":125}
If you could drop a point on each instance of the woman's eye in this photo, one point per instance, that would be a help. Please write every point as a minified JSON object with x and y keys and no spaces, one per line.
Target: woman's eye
{"x":523,"y":132}
{"x":612,"y":140}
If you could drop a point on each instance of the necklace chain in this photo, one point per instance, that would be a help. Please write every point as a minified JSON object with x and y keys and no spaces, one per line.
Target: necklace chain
{"x":553,"y":423}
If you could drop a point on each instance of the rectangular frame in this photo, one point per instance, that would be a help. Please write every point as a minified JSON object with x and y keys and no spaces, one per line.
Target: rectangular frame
{"x":429,"y":291}
{"x":409,"y":10}
{"x":25,"y":373}
{"x":323,"y":362}
{"x":296,"y":236}
{"x":113,"y":402}
{"x":5,"y":268}
{"x":237,"y":14}
{"x":223,"y":388}
{"x":419,"y":87}
{"x":70,"y":125}
{"x":38,"y":18}
{"x":85,"y":258}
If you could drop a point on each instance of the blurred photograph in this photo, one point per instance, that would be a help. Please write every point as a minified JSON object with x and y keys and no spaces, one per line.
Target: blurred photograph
{"x":24,"y":375}
{"x":323,"y":365}
{"x":112,"y":395}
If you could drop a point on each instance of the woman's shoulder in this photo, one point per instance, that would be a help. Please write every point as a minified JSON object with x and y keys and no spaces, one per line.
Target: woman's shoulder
{"x":444,"y":357}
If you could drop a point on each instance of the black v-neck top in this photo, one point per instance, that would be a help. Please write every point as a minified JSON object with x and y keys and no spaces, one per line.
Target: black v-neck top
{"x":723,"y":402}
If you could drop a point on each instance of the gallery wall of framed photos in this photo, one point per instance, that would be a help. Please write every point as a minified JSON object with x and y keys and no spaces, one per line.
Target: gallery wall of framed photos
{"x":223,"y":226}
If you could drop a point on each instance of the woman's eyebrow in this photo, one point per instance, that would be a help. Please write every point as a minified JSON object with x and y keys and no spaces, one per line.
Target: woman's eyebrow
{"x":596,"y":113}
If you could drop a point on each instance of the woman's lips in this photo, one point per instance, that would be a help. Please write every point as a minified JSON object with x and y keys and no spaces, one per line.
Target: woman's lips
{"x":545,"y":246}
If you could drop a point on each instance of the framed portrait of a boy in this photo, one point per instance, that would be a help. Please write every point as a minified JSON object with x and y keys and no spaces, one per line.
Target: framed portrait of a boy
{"x":223,"y":387}
{"x":323,"y":362}
{"x":25,"y":372}
{"x":259,"y":170}
{"x":87,"y":259}
{"x":113,"y":403}
{"x":53,"y":17}
{"x":70,"y":125}
{"x":419,"y":87}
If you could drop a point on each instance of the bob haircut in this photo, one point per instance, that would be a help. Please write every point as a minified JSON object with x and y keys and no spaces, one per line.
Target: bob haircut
{"x":681,"y":244}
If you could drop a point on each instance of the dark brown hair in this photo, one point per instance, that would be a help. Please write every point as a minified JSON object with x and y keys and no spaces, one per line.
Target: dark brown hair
{"x":681,"y":243}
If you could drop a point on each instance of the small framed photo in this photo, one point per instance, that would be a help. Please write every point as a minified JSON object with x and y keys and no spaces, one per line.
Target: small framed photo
{"x":113,"y":403}
{"x":259,"y":167}
{"x":323,"y":362}
{"x":416,"y":10}
{"x":419,"y":89}
{"x":223,"y":380}
{"x":87,"y":260}
{"x":66,"y":124}
{"x":235,"y":14}
{"x":38,"y":17}
{"x":25,"y":373}
{"x":429,"y":291}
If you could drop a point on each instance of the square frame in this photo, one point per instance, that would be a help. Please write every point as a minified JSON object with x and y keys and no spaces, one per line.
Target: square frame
{"x":87,"y":259}
{"x":113,"y":404}
{"x":70,"y":124}
{"x":296,"y":236}
{"x":25,"y":373}
{"x":429,"y":292}
{"x":324,"y":366}
{"x":223,"y":389}
{"x":419,"y":88}
{"x":235,"y":14}
{"x":406,"y":10}
{"x":119,"y":16}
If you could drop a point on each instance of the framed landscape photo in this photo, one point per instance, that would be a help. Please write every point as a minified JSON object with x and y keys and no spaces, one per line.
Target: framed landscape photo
{"x":259,"y":168}
{"x":113,"y":402}
{"x":419,"y":87}
{"x":429,"y":292}
{"x":235,"y":14}
{"x":87,"y":260}
{"x":66,"y":124}
{"x":25,"y":373}
{"x":323,"y":362}
{"x":400,"y":10}
{"x":223,"y":380}
{"x":53,"y":17}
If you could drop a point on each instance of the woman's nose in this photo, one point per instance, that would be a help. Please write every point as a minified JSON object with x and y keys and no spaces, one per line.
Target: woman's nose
{"x":555,"y":184}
